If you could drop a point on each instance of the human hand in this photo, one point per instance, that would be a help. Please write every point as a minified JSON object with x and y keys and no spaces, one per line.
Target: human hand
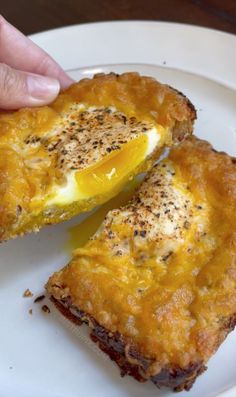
{"x":28,"y":75}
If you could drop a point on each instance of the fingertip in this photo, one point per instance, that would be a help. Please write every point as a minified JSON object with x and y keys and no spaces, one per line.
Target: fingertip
{"x":20,"y":89}
{"x":66,"y":81}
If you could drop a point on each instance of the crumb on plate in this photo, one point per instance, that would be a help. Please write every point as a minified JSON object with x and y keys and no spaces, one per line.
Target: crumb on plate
{"x":39,"y":298}
{"x":27,"y":293}
{"x":45,"y":309}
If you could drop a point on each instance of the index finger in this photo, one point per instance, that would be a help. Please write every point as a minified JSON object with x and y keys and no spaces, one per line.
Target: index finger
{"x":19,"y":52}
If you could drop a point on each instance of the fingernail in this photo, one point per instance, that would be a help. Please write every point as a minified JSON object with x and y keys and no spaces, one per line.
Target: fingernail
{"x":42,"y":89}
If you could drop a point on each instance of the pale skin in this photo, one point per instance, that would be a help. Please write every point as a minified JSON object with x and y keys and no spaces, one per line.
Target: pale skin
{"x":28,"y":75}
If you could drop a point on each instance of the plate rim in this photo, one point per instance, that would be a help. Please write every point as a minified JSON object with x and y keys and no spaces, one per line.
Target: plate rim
{"x":130,"y":21}
{"x":214,"y":61}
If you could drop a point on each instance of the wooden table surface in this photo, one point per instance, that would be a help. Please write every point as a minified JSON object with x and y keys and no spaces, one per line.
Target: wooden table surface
{"x":32,"y":16}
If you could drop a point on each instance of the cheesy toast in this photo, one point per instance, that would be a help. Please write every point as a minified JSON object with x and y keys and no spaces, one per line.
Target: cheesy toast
{"x":157,"y":282}
{"x":59,"y":160}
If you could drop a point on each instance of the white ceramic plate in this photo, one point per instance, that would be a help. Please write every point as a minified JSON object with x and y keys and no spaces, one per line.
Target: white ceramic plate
{"x":42,"y":355}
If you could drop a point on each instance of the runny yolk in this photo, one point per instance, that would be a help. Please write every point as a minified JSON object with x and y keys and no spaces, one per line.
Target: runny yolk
{"x":80,"y":233}
{"x":114,"y":169}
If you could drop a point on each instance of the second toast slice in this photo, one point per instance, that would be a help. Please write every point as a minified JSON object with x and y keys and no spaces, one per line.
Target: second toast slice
{"x":157,"y":282}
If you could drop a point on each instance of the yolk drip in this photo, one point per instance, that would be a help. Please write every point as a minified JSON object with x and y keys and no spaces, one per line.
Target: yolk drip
{"x":114,"y":169}
{"x":79,"y":234}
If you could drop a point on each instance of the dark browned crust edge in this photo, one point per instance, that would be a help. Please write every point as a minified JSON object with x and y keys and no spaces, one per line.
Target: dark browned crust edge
{"x":189,"y":103}
{"x":114,"y":346}
{"x":183,"y":129}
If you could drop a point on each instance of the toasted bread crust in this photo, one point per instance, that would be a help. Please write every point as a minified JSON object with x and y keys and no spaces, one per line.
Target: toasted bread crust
{"x":132,"y":364}
{"x":38,"y":146}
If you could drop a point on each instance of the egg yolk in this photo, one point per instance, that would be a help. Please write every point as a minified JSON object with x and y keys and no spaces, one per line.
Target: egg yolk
{"x":114,"y":169}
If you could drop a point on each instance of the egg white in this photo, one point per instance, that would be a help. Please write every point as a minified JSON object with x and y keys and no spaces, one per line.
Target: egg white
{"x":71,"y":192}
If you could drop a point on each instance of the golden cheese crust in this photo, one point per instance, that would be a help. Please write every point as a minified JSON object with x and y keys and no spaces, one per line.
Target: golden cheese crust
{"x":87,"y":122}
{"x":161,"y":271}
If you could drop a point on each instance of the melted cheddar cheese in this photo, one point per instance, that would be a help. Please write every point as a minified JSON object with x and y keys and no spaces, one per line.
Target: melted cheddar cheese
{"x":161,"y":271}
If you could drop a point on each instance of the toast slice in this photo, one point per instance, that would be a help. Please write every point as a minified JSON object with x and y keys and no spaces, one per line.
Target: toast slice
{"x":157,"y":282}
{"x":59,"y":160}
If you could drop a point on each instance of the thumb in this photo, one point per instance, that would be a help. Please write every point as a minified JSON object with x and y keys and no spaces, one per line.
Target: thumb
{"x":19,"y":89}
